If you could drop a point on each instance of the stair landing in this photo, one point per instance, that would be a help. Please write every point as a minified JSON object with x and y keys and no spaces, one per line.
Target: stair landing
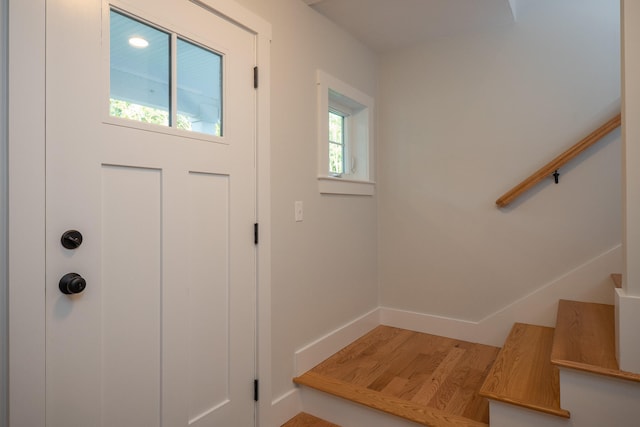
{"x":424,"y":378}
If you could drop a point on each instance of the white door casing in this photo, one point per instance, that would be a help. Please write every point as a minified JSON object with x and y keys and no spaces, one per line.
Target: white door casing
{"x":27,"y":296}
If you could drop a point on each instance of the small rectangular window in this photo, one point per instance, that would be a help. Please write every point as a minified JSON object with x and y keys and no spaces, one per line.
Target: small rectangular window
{"x":336,"y":143}
{"x":139,"y":71}
{"x":199,"y":89}
{"x":143,"y":87}
{"x":345,"y":138}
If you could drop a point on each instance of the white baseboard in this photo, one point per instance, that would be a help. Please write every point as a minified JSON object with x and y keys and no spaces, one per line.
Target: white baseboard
{"x":589,"y":282}
{"x":322,"y":348}
{"x":285,"y":407}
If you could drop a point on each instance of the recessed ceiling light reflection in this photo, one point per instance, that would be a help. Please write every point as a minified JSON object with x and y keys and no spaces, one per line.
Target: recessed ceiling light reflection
{"x":138,"y":42}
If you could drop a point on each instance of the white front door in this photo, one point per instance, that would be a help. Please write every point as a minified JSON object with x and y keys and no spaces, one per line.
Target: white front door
{"x":164,"y":332}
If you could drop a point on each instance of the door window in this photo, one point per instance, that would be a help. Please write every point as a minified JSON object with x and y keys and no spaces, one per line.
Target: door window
{"x":199,"y":89}
{"x":140,"y":70}
{"x":142,"y":85}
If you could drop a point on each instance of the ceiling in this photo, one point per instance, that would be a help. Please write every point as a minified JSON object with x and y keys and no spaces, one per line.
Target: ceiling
{"x":386,"y":25}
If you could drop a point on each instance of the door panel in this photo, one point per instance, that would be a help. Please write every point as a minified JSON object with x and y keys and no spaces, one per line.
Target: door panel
{"x":131,"y":273}
{"x":209,"y":334}
{"x":164,"y":333}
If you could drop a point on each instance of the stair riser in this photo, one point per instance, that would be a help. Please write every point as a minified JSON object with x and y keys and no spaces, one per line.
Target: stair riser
{"x":627,"y":319}
{"x":597,"y":400}
{"x":346,"y":413}
{"x":505,"y":415}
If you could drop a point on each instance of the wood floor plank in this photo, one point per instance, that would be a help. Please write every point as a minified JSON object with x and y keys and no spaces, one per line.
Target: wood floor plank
{"x":348,"y":360}
{"x":395,"y":386}
{"x":477,"y":407}
{"x":420,"y":370}
{"x":523,"y":374}
{"x":409,"y":363}
{"x":480,"y":360}
{"x":431,"y":385}
{"x":305,"y":420}
{"x":585,"y":339}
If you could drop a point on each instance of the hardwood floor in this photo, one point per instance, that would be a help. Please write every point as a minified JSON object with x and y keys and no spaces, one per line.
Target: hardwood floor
{"x":425,"y":378}
{"x":306,"y":420}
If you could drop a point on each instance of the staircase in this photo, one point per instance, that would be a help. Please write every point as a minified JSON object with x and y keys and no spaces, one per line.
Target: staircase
{"x":564,"y":376}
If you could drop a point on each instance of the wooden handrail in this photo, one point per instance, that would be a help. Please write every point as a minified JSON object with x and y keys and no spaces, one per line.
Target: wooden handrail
{"x":555,"y":164}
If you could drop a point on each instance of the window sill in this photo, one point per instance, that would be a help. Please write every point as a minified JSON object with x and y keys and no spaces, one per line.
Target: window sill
{"x":331,"y":185}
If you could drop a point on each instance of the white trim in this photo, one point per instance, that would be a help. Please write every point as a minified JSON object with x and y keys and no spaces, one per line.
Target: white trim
{"x":240,"y":15}
{"x":331,"y":185}
{"x":263,"y":217}
{"x":26,"y":146}
{"x":630,"y":67}
{"x":286,"y":407}
{"x":26,"y":166}
{"x":429,"y":324}
{"x":310,"y":355}
{"x":4,"y":419}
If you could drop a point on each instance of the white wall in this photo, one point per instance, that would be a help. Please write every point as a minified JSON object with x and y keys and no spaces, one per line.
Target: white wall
{"x":324,"y":268}
{"x":463,"y":119}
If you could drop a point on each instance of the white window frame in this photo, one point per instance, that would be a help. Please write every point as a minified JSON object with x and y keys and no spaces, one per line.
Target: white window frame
{"x":358,"y":110}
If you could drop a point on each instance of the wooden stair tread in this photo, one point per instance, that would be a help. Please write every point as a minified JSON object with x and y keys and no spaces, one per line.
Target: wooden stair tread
{"x":585,"y":339}
{"x":523,"y":374}
{"x":305,"y":420}
{"x":383,"y":402}
{"x":425,"y":378}
{"x":617,"y":280}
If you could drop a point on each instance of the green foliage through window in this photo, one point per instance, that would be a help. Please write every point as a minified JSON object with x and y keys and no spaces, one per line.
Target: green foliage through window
{"x":144,"y":114}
